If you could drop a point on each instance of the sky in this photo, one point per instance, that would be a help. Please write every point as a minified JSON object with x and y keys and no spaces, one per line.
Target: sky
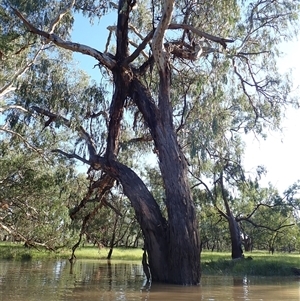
{"x":279,"y":153}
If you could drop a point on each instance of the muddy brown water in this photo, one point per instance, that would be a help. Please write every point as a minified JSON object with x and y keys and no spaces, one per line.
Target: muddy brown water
{"x":91,"y":280}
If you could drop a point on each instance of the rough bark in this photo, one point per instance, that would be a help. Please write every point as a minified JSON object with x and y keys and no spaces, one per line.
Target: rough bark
{"x":183,"y":244}
{"x":153,"y":224}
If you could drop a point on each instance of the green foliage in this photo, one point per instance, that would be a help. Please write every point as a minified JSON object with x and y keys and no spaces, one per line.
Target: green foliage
{"x":35,"y":197}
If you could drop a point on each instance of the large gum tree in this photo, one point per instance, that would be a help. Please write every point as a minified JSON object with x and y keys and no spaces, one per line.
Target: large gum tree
{"x":171,"y":66}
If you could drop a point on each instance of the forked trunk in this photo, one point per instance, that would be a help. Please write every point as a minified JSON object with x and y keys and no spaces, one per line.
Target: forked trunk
{"x":172,"y":246}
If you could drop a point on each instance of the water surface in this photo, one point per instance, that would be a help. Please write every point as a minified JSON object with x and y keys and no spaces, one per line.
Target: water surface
{"x":91,"y":280}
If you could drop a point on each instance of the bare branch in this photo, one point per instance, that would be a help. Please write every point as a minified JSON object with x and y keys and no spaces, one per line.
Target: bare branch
{"x":108,"y":40}
{"x":71,"y":156}
{"x":9,"y":86}
{"x":117,"y":211}
{"x":136,"y":46}
{"x":266,"y":227}
{"x":243,"y":83}
{"x":203,"y":34}
{"x":27,"y":241}
{"x":7,"y":89}
{"x":105,"y":59}
{"x":13,"y":107}
{"x":139,"y":49}
{"x":254,"y":210}
{"x":200,"y":33}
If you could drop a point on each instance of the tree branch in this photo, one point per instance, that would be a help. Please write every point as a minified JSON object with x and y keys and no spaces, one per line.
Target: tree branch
{"x":9,"y":86}
{"x":203,"y":34}
{"x":253,"y":211}
{"x":266,"y":227}
{"x":29,"y":145}
{"x":56,"y":20}
{"x":83,"y":134}
{"x":105,"y":59}
{"x":157,"y":42}
{"x":72,"y":156}
{"x":13,"y":107}
{"x":139,"y":49}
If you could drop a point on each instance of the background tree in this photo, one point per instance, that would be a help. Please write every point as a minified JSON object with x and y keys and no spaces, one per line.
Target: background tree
{"x":35,"y":197}
{"x":266,"y":217}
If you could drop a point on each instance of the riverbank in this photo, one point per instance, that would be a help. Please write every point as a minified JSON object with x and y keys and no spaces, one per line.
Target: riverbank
{"x":213,"y":263}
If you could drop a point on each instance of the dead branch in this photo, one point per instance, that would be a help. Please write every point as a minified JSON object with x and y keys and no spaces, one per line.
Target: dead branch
{"x":203,"y":34}
{"x":160,"y":56}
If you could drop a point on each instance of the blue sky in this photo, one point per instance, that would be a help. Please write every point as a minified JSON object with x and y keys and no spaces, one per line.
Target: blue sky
{"x":279,"y":153}
{"x":85,"y":33}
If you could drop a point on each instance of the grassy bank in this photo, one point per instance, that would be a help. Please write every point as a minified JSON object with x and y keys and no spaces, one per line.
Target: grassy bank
{"x":260,"y":264}
{"x":19,"y":252}
{"x":216,"y":263}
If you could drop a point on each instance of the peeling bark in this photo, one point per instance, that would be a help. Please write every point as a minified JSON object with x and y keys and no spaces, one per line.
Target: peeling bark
{"x":160,"y":56}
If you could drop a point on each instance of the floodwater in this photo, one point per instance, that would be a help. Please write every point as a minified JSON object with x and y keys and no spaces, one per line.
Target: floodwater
{"x":91,"y":280}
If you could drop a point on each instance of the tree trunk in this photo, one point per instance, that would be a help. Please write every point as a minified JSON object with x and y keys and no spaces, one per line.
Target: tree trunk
{"x":235,"y":236}
{"x":183,"y":245}
{"x":113,"y":238}
{"x":248,"y":244}
{"x":172,"y":246}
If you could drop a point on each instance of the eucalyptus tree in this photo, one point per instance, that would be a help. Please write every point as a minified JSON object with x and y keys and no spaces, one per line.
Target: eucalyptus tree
{"x":35,"y":198}
{"x":19,"y":50}
{"x":176,"y":79}
{"x":254,"y":214}
{"x":266,"y":217}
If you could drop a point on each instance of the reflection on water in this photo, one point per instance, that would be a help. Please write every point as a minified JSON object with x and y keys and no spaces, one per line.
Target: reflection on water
{"x":102,"y":281}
